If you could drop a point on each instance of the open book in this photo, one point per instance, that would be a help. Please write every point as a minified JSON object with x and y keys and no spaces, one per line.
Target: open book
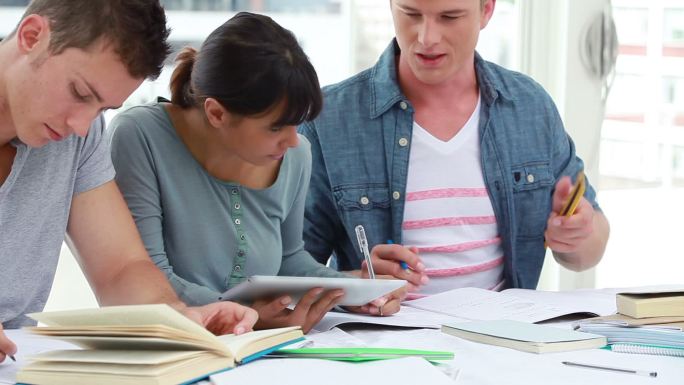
{"x":140,"y":344}
{"x":473,"y":304}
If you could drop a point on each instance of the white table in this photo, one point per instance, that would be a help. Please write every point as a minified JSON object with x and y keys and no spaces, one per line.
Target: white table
{"x":476,"y":364}
{"x":481,"y":364}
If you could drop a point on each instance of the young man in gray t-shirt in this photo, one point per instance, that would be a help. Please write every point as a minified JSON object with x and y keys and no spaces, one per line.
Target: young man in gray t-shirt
{"x":59,"y":69}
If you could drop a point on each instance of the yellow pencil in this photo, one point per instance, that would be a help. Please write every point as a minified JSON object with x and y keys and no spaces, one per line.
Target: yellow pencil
{"x":576,"y":195}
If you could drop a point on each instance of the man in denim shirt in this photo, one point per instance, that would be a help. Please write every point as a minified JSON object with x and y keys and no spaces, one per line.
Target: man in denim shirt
{"x":370,"y":163}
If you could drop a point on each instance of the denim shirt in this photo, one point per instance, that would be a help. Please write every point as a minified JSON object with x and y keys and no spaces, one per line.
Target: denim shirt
{"x":360,"y":145}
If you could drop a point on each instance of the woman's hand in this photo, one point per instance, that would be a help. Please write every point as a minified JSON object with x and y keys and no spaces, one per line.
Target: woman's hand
{"x":309,"y":310}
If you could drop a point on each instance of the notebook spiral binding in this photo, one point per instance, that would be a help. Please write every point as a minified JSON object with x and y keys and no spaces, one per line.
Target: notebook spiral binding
{"x":647,"y":349}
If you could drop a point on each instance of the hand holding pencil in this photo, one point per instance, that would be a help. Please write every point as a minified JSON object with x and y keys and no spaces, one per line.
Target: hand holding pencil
{"x":571,"y":219}
{"x":7,"y":347}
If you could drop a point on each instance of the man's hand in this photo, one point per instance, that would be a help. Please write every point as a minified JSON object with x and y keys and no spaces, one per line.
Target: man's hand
{"x":309,"y":310}
{"x":385,"y":305}
{"x":7,"y":347}
{"x":567,"y":234}
{"x":387,"y":261}
{"x":223,"y":317}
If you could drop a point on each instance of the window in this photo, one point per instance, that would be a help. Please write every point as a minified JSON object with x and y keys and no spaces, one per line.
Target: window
{"x":642,"y":146}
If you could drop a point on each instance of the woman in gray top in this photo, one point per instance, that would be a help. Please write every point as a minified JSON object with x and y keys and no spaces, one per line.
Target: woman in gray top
{"x":216,"y":179}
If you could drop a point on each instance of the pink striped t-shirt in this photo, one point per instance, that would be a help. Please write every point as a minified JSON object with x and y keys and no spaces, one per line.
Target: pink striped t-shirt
{"x":448,"y":214}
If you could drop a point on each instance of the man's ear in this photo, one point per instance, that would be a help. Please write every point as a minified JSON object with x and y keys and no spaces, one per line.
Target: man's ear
{"x":216,"y":114}
{"x":487,"y":12}
{"x":33,"y":34}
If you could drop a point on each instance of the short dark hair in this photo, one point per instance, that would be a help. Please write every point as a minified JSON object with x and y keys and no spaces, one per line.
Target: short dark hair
{"x":136,"y":29}
{"x":249,"y":65}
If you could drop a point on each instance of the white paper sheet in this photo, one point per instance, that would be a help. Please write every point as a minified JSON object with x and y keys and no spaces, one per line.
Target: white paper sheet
{"x":480,"y":304}
{"x":406,"y":317}
{"x":27,"y":344}
{"x":304,"y":371}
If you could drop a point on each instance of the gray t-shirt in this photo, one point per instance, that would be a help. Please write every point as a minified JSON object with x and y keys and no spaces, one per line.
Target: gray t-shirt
{"x":34,"y":210}
{"x":206,"y":234}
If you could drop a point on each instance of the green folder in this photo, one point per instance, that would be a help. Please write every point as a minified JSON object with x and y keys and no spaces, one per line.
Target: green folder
{"x":360,"y":354}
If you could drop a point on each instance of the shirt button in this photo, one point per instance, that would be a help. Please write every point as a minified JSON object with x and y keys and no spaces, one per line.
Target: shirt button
{"x":237,"y":206}
{"x":237,"y":268}
{"x":241,"y":253}
{"x":242,"y":237}
{"x":364,"y":200}
{"x":530,"y":178}
{"x":234,"y":191}
{"x":237,"y":221}
{"x":396,"y":195}
{"x":403,"y":105}
{"x":403,"y":142}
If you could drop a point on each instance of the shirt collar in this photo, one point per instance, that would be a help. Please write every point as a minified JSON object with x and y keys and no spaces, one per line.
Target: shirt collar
{"x":384,"y":85}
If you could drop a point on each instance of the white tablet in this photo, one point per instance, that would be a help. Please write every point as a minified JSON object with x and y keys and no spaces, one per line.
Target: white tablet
{"x":357,"y":291}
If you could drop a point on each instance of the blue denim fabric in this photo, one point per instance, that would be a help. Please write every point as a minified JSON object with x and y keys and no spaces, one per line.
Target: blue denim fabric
{"x":360,"y":145}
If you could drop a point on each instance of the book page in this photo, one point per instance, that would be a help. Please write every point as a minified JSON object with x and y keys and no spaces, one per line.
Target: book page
{"x":132,"y":315}
{"x":200,"y":364}
{"x":480,"y":304}
{"x":596,"y":302}
{"x":130,"y":343}
{"x":125,"y":357}
{"x":27,"y":345}
{"x":406,"y":317}
{"x":239,"y":344}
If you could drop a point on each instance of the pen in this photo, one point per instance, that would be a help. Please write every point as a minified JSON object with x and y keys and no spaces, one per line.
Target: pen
{"x":12,"y":357}
{"x":404,"y":265}
{"x":612,"y":369}
{"x":363,"y":244}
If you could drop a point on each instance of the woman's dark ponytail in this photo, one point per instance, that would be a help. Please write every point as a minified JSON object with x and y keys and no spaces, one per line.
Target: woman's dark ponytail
{"x":181,"y":80}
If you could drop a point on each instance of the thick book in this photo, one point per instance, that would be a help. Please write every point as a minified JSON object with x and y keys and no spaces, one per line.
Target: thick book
{"x":140,"y":344}
{"x":524,"y":336}
{"x":644,"y":305}
{"x":359,"y":354}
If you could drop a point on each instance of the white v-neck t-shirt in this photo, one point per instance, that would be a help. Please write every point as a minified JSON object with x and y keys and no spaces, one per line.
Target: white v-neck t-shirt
{"x":448,"y":215}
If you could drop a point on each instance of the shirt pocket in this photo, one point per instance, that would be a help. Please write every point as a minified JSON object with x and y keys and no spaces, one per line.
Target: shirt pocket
{"x":532,"y":188}
{"x":362,"y":198}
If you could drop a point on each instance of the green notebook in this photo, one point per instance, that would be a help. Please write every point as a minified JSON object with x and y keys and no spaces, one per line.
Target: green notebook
{"x":360,"y":354}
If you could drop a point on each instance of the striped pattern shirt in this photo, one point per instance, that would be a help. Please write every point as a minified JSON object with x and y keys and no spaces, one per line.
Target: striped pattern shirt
{"x":448,"y":215}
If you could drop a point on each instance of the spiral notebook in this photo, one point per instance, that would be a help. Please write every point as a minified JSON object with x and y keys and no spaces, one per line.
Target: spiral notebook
{"x":647,"y":349}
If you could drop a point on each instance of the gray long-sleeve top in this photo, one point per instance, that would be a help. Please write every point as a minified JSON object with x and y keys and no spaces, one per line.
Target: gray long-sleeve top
{"x":205,"y":234}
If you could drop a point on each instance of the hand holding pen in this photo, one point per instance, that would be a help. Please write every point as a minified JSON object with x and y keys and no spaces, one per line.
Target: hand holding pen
{"x":397,"y":261}
{"x":571,"y":219}
{"x":387,"y":304}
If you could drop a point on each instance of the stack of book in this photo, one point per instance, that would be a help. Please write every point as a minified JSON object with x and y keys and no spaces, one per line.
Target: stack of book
{"x":649,"y":322}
